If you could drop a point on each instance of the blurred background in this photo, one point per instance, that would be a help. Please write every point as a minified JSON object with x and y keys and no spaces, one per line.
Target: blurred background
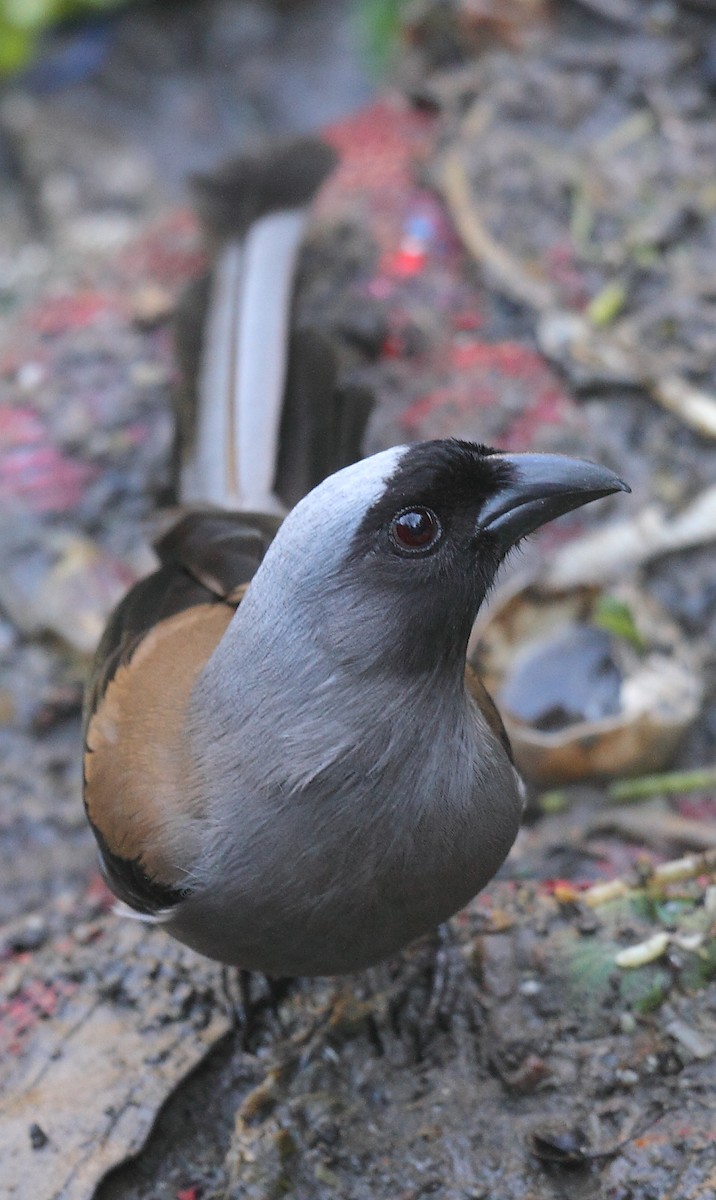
{"x":518,"y":247}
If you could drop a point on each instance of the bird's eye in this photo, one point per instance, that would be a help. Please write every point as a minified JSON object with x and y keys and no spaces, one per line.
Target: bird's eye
{"x":415,"y":530}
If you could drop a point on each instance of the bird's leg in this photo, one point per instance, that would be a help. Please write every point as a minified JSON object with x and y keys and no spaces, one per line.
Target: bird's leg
{"x":229,"y":987}
{"x":246,"y":1006}
{"x":236,"y":986}
{"x":435,"y":967}
{"x":448,"y":968}
{"x":278,"y":989}
{"x":247,"y":1009}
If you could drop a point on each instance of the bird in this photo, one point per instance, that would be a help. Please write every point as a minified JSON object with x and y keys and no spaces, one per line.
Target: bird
{"x":289,"y":764}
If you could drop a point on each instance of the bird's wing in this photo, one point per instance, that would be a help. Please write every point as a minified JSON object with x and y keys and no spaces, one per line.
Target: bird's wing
{"x":487,"y":706}
{"x":141,"y":804}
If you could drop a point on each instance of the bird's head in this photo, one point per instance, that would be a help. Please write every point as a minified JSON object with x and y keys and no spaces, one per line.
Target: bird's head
{"x":398,"y":551}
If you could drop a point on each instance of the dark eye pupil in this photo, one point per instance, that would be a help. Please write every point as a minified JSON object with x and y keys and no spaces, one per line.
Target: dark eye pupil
{"x":415,"y":529}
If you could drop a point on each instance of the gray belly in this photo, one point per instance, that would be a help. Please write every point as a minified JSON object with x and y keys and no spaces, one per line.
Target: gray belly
{"x":334,"y":900}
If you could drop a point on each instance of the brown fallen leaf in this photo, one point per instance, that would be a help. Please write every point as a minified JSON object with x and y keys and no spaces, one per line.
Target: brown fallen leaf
{"x":95,"y":1036}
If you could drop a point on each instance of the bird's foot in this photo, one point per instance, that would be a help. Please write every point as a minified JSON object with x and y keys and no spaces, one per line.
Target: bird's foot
{"x":247,"y":1007}
{"x":430,"y":991}
{"x":448,"y":973}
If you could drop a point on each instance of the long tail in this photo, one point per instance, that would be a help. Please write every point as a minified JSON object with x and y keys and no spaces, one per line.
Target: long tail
{"x":265,"y":416}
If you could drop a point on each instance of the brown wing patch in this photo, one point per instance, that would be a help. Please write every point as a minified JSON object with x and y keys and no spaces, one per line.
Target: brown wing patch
{"x":487,"y":707}
{"x":138,"y":785}
{"x":206,"y":557}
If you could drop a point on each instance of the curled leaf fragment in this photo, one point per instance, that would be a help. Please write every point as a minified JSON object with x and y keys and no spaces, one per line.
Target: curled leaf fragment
{"x":643,"y":952}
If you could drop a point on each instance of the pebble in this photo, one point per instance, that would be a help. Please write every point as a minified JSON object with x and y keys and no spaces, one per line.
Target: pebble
{"x":101,"y":232}
{"x":626,"y":1077}
{"x":86,"y":932}
{"x":530,"y":987}
{"x":690,"y":1039}
{"x":30,"y":936}
{"x":151,"y":305}
{"x":38,"y":1137}
{"x":149,"y":374}
{"x":12,"y":979}
{"x":30,"y":376}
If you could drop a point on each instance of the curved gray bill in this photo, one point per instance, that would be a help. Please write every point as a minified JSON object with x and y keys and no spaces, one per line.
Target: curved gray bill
{"x":540,"y":487}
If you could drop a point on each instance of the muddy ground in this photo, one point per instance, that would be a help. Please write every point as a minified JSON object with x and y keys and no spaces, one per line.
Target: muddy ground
{"x":560,"y":170}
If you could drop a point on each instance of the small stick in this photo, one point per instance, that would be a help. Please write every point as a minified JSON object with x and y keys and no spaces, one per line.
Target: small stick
{"x":510,"y":277}
{"x":695,"y":407}
{"x":624,"y":791}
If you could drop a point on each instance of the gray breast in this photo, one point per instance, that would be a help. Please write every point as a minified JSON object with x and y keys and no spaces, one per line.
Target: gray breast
{"x":333,"y":877}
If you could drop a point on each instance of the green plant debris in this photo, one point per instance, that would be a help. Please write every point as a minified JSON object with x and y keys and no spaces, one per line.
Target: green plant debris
{"x":615,"y":617}
{"x":672,"y":783}
{"x":593,"y":979}
{"x":594,"y":967}
{"x":22,"y":21}
{"x":581,"y":221}
{"x":645,"y":257}
{"x":553,"y":802}
{"x":653,"y":905}
{"x":380,"y":22}
{"x":605,"y":307}
{"x":671,"y":910}
{"x":699,"y":967}
{"x":645,"y":991}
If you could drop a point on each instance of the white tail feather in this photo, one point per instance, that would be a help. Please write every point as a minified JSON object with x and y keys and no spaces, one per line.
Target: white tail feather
{"x":243,"y":371}
{"x":120,"y":909}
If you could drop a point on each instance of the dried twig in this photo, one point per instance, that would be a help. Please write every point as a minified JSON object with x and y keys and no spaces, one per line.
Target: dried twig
{"x":625,"y":545}
{"x":693,"y":406}
{"x":509,"y":275}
